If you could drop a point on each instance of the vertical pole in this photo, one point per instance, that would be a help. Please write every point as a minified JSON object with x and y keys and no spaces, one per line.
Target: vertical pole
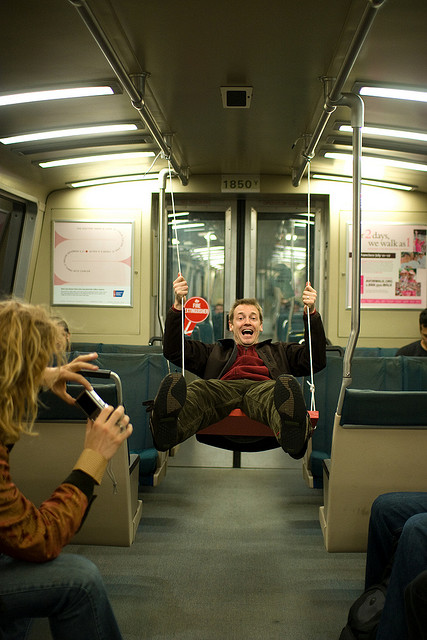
{"x":355,"y":102}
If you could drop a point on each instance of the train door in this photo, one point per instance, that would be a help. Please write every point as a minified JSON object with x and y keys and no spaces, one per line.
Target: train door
{"x":283,"y":242}
{"x":17,"y":229}
{"x":200,"y":238}
{"x":246,"y":248}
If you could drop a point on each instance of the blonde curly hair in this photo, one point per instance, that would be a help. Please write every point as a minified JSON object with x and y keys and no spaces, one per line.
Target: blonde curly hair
{"x":29,"y":341}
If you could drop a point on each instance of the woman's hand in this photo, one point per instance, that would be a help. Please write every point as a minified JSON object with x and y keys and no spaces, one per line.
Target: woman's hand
{"x":108,"y":431}
{"x":56,"y":378}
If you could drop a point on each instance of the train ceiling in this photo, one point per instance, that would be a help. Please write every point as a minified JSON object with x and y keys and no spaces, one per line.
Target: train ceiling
{"x":178,"y":56}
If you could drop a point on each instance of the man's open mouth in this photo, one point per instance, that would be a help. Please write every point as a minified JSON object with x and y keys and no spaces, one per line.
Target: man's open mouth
{"x":247,"y":332}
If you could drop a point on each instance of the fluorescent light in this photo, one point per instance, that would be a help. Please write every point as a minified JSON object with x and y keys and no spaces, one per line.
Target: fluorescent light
{"x":180,"y":223}
{"x":178,"y":215}
{"x":113,"y":180}
{"x":397,"y":94}
{"x":67,"y":133}
{"x":191,"y":225}
{"x":206,"y":251}
{"x":103,"y":158}
{"x":365,"y":181}
{"x":389,"y":162}
{"x":390,"y":133}
{"x":55,"y":94}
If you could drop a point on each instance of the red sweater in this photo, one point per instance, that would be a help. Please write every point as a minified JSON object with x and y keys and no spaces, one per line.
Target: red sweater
{"x":247,"y":365}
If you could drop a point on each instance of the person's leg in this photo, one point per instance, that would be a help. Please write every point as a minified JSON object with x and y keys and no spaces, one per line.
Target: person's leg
{"x":179,"y":411}
{"x":280,"y":404}
{"x":416,"y":607}
{"x":209,"y":401}
{"x":69,"y":591}
{"x":409,"y":561}
{"x":389,"y":512}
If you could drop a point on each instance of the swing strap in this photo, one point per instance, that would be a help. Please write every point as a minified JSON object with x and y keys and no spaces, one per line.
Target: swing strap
{"x":179,"y":268}
{"x":314,"y":415}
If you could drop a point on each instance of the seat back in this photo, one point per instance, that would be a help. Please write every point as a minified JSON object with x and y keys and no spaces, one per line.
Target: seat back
{"x":40,"y":463}
{"x":379,"y":444}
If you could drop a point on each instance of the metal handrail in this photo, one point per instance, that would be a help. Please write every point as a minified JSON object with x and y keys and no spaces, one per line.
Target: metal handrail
{"x":334,"y":96}
{"x":125,"y":80}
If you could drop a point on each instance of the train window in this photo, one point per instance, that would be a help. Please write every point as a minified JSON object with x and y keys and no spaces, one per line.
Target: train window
{"x":17,"y":222}
{"x":281,"y":271}
{"x":200,"y":237}
{"x":248,"y":248}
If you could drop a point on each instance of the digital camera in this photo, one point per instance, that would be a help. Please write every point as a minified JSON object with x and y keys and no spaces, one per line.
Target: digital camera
{"x":91,"y":403}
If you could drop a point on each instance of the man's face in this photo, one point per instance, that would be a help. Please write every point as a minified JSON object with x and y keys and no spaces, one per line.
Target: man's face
{"x":246,"y":325}
{"x":423,"y":332}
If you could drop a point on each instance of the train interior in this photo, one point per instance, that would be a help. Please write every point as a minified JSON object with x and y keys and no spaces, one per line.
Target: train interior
{"x":251,"y":148}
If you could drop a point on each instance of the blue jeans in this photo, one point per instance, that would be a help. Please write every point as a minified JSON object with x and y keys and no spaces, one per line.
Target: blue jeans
{"x":68,"y":590}
{"x":396,"y":518}
{"x":416,"y":607}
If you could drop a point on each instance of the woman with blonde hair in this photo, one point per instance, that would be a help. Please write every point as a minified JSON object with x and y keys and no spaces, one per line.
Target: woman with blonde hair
{"x":36,"y":581}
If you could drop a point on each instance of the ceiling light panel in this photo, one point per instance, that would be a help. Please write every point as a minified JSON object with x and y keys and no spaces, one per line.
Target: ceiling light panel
{"x":68,"y":133}
{"x":366,"y":181}
{"x":98,"y":158}
{"x":113,"y":180}
{"x":55,"y":94}
{"x":417,"y":136}
{"x":395,"y":93}
{"x":388,"y":162}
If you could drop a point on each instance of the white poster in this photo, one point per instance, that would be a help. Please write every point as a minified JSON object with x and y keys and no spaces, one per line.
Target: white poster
{"x":393,"y":266}
{"x":92,"y":263}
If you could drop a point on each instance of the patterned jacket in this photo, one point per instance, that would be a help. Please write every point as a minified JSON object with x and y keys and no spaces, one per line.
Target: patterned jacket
{"x":39,"y":534}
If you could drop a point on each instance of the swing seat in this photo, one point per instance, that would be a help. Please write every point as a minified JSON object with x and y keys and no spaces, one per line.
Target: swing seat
{"x":238,"y":433}
{"x":237,"y":423}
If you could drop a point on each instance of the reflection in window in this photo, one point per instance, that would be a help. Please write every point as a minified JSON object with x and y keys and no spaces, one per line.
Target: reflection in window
{"x":201,"y":240}
{"x":281,"y":272}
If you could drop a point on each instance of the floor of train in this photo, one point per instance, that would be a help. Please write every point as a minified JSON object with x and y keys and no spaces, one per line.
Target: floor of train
{"x":228,"y":553}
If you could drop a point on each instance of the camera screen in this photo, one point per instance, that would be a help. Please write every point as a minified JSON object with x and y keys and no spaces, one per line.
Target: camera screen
{"x":88,"y":404}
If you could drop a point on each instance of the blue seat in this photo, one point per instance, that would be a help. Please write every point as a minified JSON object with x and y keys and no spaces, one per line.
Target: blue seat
{"x":141,"y":369}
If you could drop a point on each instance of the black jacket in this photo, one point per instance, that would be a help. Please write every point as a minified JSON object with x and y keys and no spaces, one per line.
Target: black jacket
{"x":214,"y":360}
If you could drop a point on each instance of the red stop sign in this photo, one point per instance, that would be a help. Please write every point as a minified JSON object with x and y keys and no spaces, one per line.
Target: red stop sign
{"x":196,"y":310}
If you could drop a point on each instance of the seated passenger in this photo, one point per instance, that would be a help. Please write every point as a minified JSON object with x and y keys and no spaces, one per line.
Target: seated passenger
{"x":419,"y":347}
{"x":65,"y":334}
{"x":397,"y":554}
{"x":416,"y":607}
{"x":36,"y":581}
{"x":218,"y":321}
{"x":256,"y":377}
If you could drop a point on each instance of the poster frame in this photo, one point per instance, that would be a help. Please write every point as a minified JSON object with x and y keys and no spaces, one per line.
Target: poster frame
{"x":80,"y":229}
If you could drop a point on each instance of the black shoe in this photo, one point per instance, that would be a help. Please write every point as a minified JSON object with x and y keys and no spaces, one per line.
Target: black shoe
{"x":167,"y":405}
{"x":296,"y":426}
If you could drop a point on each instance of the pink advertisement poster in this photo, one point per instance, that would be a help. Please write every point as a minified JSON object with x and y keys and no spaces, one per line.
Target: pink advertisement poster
{"x":92,"y":263}
{"x":393,"y":266}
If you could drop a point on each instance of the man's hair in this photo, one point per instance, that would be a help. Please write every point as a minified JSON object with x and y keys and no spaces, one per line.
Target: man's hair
{"x":28,"y":344}
{"x":423,"y":318}
{"x":250,"y":301}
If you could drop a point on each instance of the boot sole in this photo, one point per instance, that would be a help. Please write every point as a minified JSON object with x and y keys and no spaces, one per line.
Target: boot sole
{"x":167,"y":405}
{"x":289,"y":402}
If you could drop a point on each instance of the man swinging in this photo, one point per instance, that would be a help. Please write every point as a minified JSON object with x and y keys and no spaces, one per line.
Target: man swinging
{"x":256,"y":377}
